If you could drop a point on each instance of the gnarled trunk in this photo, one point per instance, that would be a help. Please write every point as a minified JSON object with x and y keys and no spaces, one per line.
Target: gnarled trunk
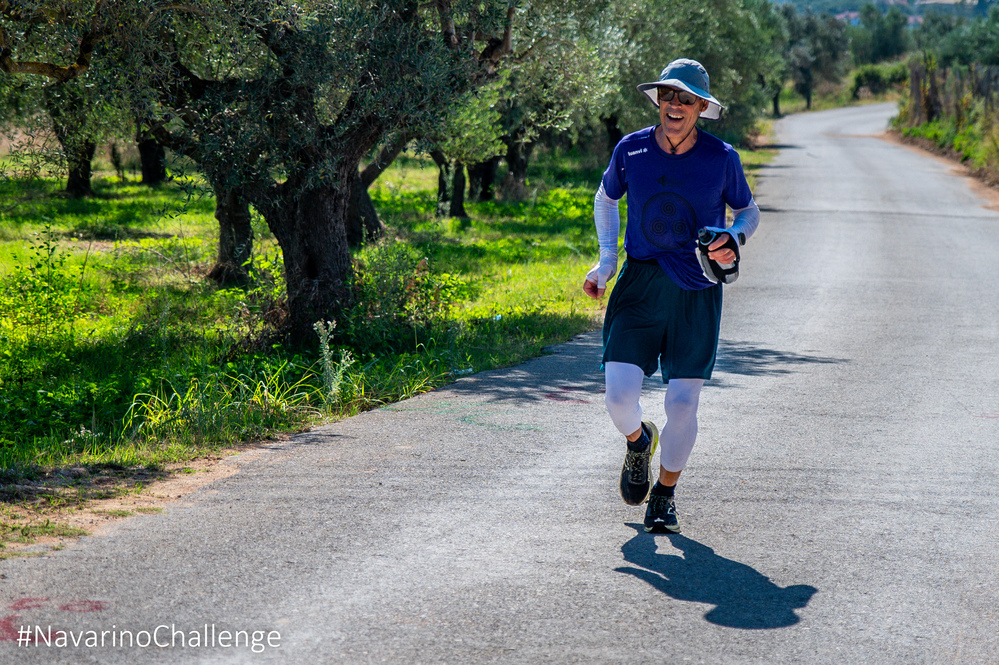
{"x":482,"y":180}
{"x":310,"y":227}
{"x":153,"y":158}
{"x":80,"y":157}
{"x":518,"y":156}
{"x":235,"y":237}
{"x":450,"y":186}
{"x":66,"y":107}
{"x":362,"y":218}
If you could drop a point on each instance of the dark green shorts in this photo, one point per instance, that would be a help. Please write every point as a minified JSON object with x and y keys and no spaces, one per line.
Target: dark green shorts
{"x":652,"y":322}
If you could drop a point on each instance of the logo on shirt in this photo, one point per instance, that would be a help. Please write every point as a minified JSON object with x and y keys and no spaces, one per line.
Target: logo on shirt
{"x":637,"y":152}
{"x":668,"y":221}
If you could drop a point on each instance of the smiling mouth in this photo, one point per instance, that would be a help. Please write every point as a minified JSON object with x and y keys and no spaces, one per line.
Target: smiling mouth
{"x":674,"y":117}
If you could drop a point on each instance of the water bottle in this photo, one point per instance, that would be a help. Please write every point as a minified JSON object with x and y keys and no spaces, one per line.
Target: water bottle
{"x":726,"y":273}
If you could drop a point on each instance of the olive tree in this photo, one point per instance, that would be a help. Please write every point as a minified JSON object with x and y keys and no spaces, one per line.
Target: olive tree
{"x":56,"y":41}
{"x":818,"y":49}
{"x":278,"y":102}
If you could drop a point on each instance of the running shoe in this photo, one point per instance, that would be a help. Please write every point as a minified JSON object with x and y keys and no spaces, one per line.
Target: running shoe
{"x":636,"y":476}
{"x":660,"y":516}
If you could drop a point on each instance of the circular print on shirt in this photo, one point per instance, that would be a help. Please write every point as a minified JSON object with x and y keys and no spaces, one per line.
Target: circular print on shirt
{"x":668,"y":221}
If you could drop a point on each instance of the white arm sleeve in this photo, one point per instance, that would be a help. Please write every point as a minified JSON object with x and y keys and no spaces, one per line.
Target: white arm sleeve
{"x":608,"y":222}
{"x":745,"y":222}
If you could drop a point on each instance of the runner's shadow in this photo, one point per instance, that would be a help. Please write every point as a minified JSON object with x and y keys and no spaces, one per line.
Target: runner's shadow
{"x":742,"y":596}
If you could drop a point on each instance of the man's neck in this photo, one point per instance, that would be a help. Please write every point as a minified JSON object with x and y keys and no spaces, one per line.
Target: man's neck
{"x":670,"y":147}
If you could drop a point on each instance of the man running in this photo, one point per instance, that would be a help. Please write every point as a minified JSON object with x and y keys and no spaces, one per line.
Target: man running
{"x":664,"y":311}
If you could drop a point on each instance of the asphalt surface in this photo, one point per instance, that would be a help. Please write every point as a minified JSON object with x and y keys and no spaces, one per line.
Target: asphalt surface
{"x":840,"y":505}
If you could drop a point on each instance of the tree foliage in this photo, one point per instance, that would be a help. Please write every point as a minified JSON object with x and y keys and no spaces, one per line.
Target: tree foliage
{"x":818,"y":49}
{"x":880,"y":36}
{"x":962,"y":41}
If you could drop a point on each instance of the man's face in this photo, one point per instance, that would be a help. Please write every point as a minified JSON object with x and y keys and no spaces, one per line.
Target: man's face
{"x":678,"y":118}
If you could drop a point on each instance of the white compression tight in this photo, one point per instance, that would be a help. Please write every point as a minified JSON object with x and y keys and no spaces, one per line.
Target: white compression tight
{"x":624,"y":388}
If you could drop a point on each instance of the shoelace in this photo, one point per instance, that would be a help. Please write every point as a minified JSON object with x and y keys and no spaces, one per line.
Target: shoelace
{"x":635,"y":462}
{"x":659,"y":505}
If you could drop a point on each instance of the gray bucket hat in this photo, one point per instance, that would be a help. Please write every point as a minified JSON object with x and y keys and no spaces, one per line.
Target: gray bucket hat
{"x":689,"y":75}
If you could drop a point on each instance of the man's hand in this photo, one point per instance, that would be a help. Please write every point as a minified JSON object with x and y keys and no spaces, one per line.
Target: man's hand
{"x":591,"y":289}
{"x":600,"y":274}
{"x":721,"y":256}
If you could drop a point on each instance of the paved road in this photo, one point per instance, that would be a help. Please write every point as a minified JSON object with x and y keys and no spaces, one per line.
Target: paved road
{"x":839,"y":507}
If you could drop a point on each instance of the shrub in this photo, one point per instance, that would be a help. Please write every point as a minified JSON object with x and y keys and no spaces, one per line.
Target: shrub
{"x":399,"y":299}
{"x":879,"y":79}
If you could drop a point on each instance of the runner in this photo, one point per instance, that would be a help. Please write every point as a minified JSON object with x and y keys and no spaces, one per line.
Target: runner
{"x":664,"y":311}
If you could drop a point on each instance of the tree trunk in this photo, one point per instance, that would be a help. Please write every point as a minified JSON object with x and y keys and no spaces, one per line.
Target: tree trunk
{"x":518,"y":155}
{"x":614,"y":133}
{"x":235,"y":237}
{"x":385,"y":157}
{"x":309,"y":225}
{"x":450,"y":186}
{"x":65,"y":106}
{"x":79,"y":157}
{"x":777,"y":105}
{"x":482,"y":180}
{"x":153,"y":158}
{"x":362,"y":218}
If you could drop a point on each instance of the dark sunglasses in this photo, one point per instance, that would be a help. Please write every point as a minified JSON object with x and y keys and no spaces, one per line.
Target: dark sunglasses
{"x":667,"y":95}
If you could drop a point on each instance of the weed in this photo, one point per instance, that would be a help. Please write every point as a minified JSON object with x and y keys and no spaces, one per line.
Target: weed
{"x":114,"y":513}
{"x":333,"y":372}
{"x":14,"y":531}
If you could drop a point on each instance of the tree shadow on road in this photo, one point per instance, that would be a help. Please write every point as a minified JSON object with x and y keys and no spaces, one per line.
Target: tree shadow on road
{"x":572,"y":375}
{"x":569,"y":374}
{"x":742,"y":596}
{"x":749,"y":360}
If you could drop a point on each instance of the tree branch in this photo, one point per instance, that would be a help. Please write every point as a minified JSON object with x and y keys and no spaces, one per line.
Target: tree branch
{"x":497,"y":48}
{"x":61,"y":74}
{"x":447,"y":23}
{"x":165,"y":137}
{"x":386,"y":155}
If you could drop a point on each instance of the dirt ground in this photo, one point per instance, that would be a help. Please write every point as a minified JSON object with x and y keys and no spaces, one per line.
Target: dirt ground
{"x":127,"y":494}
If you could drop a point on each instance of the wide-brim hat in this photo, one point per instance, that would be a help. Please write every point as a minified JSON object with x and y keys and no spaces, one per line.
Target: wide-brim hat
{"x":689,"y":75}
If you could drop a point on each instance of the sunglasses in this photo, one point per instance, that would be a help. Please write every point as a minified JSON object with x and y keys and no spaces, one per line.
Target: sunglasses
{"x":667,"y":95}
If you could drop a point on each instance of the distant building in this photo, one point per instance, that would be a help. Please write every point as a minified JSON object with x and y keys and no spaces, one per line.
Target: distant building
{"x":850,"y":18}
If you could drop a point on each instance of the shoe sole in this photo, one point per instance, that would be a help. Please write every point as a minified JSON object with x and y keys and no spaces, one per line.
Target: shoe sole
{"x":653,"y":470}
{"x":662,"y":529}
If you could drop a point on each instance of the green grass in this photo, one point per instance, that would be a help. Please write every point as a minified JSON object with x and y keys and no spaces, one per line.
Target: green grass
{"x":116,"y":354}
